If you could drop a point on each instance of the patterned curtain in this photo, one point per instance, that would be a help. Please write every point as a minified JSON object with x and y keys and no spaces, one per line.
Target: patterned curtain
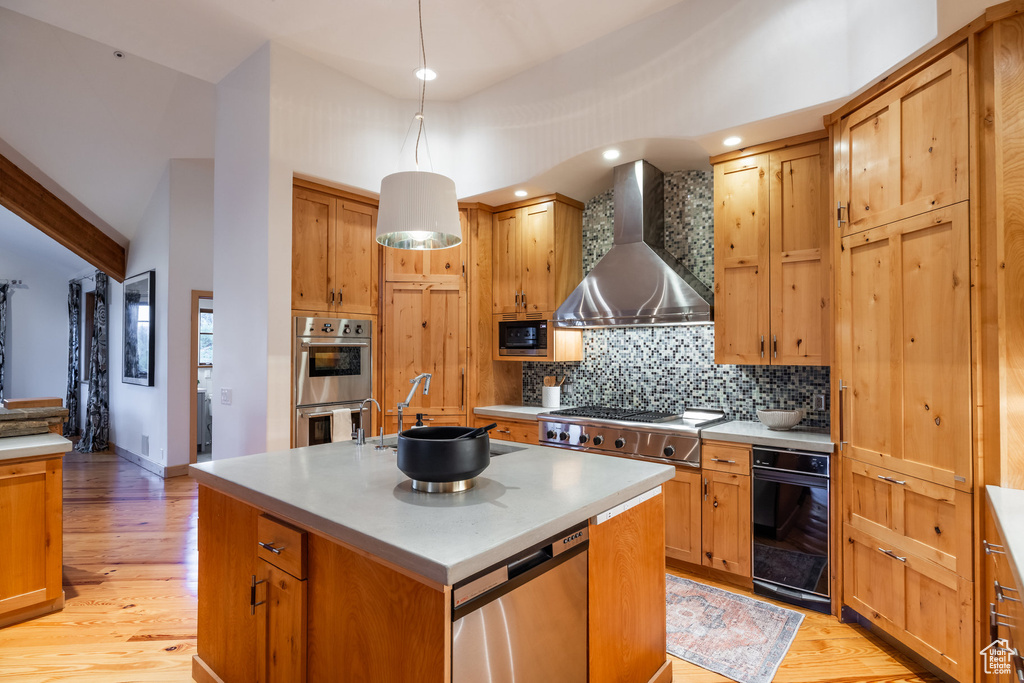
{"x":3,"y":333}
{"x":132,"y":297}
{"x":71,"y":427}
{"x":97,"y":418}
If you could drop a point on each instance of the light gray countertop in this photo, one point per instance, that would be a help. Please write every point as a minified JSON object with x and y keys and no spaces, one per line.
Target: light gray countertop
{"x":514,"y":412}
{"x":14,"y":447}
{"x":1007,"y":507}
{"x":756,"y":433}
{"x":358,"y":495}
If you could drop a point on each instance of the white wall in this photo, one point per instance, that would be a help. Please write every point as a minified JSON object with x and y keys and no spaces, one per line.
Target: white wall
{"x":241,"y":258}
{"x":137,"y":410}
{"x":36,"y":359}
{"x":191,"y":267}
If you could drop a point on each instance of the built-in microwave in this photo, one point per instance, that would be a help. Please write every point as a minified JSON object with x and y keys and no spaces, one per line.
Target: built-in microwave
{"x":523,"y":338}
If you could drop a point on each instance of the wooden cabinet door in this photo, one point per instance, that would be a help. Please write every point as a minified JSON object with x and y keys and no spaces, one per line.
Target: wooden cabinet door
{"x":281,"y":629}
{"x":356,"y":258}
{"x":627,"y":595}
{"x":537,"y":250}
{"x":425,"y":331}
{"x":30,"y":566}
{"x":505,"y":262}
{"x":741,"y":261}
{"x":798,"y":255}
{"x":313,"y":221}
{"x":429,"y":265}
{"x":905,"y":325}
{"x":682,"y":515}
{"x":926,"y":607}
{"x":726,"y":522}
{"x":906,"y":151}
{"x":931,"y":521}
{"x":226,"y":635}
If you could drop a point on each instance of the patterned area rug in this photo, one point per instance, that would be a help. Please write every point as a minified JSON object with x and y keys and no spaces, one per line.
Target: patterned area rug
{"x":736,"y":636}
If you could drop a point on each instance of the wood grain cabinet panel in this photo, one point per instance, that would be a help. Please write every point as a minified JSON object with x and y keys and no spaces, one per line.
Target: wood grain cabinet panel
{"x":281,"y":626}
{"x":682,"y":515}
{"x":31,"y":528}
{"x":905,"y":344}
{"x":772,"y":287}
{"x":536,"y":258}
{"x":335,"y":255}
{"x":741,"y":260}
{"x":906,"y":152}
{"x":520,"y":431}
{"x":726,"y":522}
{"x":926,"y":519}
{"x":425,"y":330}
{"x":428,"y":265}
{"x":627,"y":595}
{"x":928,"y":608}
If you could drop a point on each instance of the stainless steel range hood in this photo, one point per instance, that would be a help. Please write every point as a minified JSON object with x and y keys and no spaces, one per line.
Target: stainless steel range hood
{"x":638,"y":282}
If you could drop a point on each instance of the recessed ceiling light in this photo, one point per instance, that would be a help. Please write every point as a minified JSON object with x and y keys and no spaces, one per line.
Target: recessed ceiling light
{"x":731,"y":141}
{"x":425,"y":74}
{"x":521,"y":193}
{"x":118,"y":54}
{"x":611,"y":154}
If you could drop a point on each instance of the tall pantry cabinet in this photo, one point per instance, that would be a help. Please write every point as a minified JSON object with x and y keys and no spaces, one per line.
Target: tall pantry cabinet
{"x":904,"y":365}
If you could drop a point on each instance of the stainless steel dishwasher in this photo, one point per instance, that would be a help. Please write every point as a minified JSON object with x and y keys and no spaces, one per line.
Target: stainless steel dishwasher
{"x":525,"y":619}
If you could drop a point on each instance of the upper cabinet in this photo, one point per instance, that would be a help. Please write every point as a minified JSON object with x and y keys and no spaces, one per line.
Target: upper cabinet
{"x":771,"y":257}
{"x":334,"y":254}
{"x":428,"y":265}
{"x":537,"y":258}
{"x":897,"y":158}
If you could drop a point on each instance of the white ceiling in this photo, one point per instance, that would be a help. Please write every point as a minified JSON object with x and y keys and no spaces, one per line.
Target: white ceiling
{"x":470,"y":43}
{"x":22,"y":242}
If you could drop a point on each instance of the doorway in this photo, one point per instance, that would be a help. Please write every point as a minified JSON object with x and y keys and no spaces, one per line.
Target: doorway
{"x":200,"y":372}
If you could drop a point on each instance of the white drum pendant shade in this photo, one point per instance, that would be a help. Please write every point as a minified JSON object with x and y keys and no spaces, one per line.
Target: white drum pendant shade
{"x":418,"y":210}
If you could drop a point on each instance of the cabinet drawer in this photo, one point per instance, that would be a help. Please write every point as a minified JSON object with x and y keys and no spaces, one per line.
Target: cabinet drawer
{"x":520,"y":431}
{"x":925,"y":606}
{"x":725,"y":457}
{"x":926,"y":519}
{"x":282,"y":545}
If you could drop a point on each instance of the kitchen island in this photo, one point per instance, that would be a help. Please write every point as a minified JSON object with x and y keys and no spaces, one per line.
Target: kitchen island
{"x":322,"y":563}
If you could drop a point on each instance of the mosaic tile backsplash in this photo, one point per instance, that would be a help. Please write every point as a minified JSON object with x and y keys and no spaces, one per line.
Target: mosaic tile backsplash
{"x":672,"y":368}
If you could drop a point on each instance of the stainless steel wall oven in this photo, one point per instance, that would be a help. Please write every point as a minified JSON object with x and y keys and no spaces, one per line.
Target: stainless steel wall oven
{"x":333,"y":366}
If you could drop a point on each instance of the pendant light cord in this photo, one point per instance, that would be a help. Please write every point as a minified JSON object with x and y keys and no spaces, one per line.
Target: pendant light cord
{"x":423,"y":88}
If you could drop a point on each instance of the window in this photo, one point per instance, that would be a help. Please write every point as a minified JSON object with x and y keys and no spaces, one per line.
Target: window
{"x":205,"y":337}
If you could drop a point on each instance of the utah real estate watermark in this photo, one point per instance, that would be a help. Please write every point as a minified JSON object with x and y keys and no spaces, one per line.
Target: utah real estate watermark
{"x":997,"y":657}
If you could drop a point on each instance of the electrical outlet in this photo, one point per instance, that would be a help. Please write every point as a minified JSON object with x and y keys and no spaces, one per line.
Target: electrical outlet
{"x":225,"y":396}
{"x":145,"y":444}
{"x":819,"y":401}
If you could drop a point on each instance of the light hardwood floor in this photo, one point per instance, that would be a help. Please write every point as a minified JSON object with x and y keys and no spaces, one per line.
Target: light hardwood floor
{"x":130,"y":579}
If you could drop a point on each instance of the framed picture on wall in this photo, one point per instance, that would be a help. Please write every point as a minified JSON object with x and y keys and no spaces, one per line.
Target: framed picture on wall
{"x":139,"y":341}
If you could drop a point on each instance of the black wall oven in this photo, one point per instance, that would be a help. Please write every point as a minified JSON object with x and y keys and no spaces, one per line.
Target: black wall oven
{"x":333,"y":365}
{"x":790,"y":510}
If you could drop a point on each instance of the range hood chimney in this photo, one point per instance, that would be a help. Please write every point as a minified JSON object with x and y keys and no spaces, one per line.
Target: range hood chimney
{"x":638,"y":282}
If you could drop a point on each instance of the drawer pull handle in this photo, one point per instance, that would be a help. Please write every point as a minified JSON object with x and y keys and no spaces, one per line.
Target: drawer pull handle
{"x":271,"y":548}
{"x":990,"y":548}
{"x":503,"y":431}
{"x":1003,"y":597}
{"x":894,"y":481}
{"x":731,"y":462}
{"x":892,"y":554}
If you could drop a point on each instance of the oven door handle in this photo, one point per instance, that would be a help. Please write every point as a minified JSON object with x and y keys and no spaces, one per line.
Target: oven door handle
{"x":309,"y":415}
{"x":789,"y":477}
{"x":306,"y":345}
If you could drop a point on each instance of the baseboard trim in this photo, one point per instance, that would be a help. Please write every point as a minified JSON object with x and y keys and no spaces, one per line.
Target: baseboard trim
{"x":201,"y":673}
{"x":32,"y":612}
{"x":150,"y":466}
{"x":664,"y":674}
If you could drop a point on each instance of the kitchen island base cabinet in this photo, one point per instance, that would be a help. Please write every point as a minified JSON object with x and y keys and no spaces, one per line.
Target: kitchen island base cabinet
{"x":321,"y":610}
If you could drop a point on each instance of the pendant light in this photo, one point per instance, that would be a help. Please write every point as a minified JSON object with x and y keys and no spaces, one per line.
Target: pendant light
{"x":418,"y":209}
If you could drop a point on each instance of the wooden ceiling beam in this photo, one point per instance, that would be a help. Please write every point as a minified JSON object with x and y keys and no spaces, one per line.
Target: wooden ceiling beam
{"x":25,"y":197}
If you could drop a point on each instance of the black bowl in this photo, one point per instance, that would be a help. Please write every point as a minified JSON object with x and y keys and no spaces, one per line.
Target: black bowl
{"x":435,"y":454}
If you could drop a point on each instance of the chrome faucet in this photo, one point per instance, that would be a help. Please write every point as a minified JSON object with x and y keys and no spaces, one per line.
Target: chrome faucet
{"x":361,"y":433}
{"x":415,"y":381}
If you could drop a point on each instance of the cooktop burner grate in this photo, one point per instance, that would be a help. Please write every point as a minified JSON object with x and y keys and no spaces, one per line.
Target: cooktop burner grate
{"x":628,"y":414}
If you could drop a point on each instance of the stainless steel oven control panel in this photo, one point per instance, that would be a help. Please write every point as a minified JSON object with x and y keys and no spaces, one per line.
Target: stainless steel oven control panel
{"x":676,"y":448}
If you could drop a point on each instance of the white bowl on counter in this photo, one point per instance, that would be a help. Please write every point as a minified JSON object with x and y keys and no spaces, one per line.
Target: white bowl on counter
{"x":779,"y":420}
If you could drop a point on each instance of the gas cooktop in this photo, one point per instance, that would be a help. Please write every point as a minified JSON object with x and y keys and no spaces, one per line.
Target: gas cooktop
{"x":627,"y":414}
